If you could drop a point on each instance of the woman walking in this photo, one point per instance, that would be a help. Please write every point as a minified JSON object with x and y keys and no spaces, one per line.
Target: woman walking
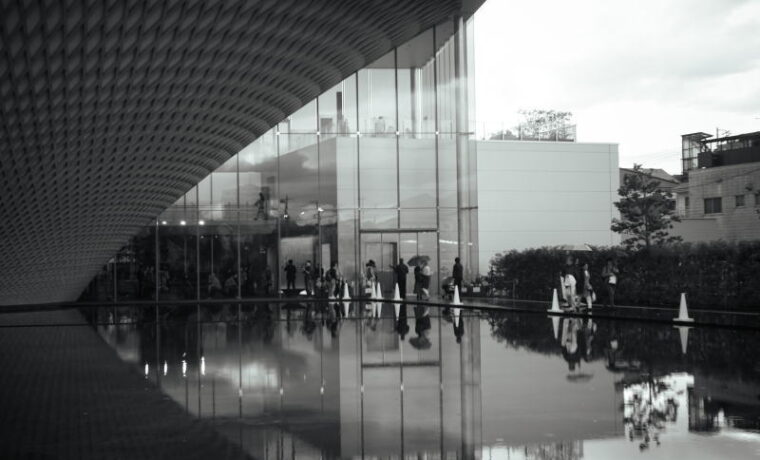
{"x":425,"y":275}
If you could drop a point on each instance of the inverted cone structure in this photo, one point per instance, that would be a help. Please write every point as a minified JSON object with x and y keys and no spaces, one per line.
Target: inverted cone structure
{"x":457,"y":314}
{"x":345,"y":292}
{"x":378,"y":309}
{"x":683,"y":311}
{"x":396,"y":309}
{"x":456,"y":300}
{"x":555,"y":302}
{"x":346,"y":306}
{"x":555,"y":326}
{"x":683,"y":333}
{"x":396,"y":294}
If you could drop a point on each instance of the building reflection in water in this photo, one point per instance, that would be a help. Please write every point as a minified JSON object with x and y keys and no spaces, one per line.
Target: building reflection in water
{"x":307,"y":381}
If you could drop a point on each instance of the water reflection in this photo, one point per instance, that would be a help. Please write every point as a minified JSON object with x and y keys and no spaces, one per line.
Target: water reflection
{"x":355,"y":380}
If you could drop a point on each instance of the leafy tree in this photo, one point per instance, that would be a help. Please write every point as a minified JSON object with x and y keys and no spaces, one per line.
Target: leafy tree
{"x":504,"y":135}
{"x":539,"y":121}
{"x":646,"y":211}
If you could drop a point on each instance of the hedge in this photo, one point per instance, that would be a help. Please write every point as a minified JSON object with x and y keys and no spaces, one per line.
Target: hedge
{"x":713,"y":275}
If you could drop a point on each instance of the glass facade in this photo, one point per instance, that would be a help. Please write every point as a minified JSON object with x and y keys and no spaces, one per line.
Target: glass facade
{"x":379,"y":167}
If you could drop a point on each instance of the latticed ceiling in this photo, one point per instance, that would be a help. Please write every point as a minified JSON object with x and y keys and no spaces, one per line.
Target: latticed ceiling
{"x":112,"y":109}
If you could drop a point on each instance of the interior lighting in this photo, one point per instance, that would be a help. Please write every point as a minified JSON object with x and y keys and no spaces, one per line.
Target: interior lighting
{"x":163,"y":222}
{"x":201,"y":222}
{"x":182,"y":222}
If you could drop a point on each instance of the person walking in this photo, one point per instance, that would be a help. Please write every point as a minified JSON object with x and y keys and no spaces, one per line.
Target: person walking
{"x":569,"y":285}
{"x":401,"y":271}
{"x":333,"y":279}
{"x":458,"y":274}
{"x":418,"y":282}
{"x":371,"y":275}
{"x":261,"y":204}
{"x":588,"y":290}
{"x":307,"y":277}
{"x":610,"y":275}
{"x":426,"y":274}
{"x":290,"y":275}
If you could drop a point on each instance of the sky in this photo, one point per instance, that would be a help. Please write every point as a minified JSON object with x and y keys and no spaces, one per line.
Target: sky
{"x":637,"y":73}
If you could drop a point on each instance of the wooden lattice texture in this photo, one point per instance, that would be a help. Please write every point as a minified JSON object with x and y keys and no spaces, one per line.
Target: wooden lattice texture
{"x":112,"y":109}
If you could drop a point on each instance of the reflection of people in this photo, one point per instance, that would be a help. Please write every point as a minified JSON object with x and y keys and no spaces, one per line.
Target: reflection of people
{"x":421,"y":328}
{"x":418,"y":281}
{"x":570,"y":343}
{"x":261,"y":207}
{"x":402,"y":327}
{"x":290,"y":275}
{"x":588,"y":290}
{"x":458,"y":274}
{"x":610,"y":275}
{"x":371,"y":276}
{"x":401,"y":271}
{"x":426,"y":273}
{"x":333,"y":279}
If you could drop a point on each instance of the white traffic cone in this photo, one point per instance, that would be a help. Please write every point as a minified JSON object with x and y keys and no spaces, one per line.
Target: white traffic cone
{"x":456,"y":300}
{"x":555,"y":302}
{"x":683,"y":311}
{"x":397,"y":309}
{"x":346,"y":306}
{"x":345,"y":292}
{"x":457,"y":314}
{"x":683,"y":333}
{"x":396,"y":294}
{"x":378,"y":309}
{"x":555,"y":326}
{"x":378,"y":291}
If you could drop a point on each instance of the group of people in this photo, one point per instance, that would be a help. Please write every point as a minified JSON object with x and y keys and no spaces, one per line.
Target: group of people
{"x":575,"y":283}
{"x":316,"y":280}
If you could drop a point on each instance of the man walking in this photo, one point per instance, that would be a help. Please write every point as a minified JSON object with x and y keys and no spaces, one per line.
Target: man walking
{"x":290,"y":275}
{"x":458,"y":274}
{"x":610,"y":275}
{"x":401,"y":271}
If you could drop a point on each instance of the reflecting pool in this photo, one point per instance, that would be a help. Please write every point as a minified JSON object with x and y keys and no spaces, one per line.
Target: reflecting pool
{"x":350,"y":380}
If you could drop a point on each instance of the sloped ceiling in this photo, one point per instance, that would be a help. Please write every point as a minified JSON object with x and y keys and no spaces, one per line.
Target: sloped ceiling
{"x":112,"y":109}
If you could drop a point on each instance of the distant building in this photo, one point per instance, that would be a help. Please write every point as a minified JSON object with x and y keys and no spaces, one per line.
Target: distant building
{"x":720,"y":194}
{"x":667,"y":181}
{"x":533,"y":194}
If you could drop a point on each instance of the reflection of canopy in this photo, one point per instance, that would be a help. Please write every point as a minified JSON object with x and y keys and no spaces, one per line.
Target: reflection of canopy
{"x":576,"y":247}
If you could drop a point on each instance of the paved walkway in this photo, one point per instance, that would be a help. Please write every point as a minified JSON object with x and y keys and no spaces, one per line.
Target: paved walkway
{"x":65,"y":394}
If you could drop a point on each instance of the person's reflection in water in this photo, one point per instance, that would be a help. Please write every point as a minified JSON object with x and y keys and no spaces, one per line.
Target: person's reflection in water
{"x":571,"y":348}
{"x":309,"y":322}
{"x":458,"y":328}
{"x":402,"y":326}
{"x":333,"y":319}
{"x":289,"y":323}
{"x":421,"y":328}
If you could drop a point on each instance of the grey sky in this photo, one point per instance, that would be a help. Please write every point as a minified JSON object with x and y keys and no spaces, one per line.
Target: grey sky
{"x":636,"y":73}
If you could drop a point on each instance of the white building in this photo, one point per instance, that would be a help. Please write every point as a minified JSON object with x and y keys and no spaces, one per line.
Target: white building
{"x":533,"y":194}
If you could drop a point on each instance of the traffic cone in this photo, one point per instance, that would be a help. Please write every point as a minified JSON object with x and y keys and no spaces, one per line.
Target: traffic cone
{"x":456,"y":300}
{"x":378,"y":291}
{"x":555,"y":302}
{"x":345,"y":292}
{"x":396,"y":309}
{"x":683,"y":311}
{"x":457,"y":314}
{"x":346,"y":306}
{"x":555,"y":326}
{"x":396,"y":294}
{"x":378,"y":309}
{"x":683,"y":333}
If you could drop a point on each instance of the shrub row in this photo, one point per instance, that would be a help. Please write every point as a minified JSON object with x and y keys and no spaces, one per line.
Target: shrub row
{"x":713,"y":275}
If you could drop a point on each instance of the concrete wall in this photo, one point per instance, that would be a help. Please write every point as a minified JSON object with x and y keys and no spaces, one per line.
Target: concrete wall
{"x":533,"y":194}
{"x":734,"y":223}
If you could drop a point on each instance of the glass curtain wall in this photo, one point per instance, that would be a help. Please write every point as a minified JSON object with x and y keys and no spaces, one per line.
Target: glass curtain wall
{"x":379,"y":167}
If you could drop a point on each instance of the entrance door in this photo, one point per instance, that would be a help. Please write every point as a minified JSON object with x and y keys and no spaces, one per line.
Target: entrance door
{"x":385,"y":254}
{"x":385,"y":248}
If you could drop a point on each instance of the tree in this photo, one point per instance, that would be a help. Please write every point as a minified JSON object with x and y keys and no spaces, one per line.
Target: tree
{"x":539,"y":122}
{"x":646,"y":211}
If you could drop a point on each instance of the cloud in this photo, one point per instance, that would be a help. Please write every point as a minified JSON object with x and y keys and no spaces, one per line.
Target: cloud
{"x":639,"y":73}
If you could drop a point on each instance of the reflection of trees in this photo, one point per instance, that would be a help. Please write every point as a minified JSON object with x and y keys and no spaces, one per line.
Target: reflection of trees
{"x":638,"y":346}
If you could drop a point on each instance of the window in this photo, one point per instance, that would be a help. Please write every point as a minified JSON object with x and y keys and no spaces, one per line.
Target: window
{"x":713,"y":205}
{"x":739,"y":201}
